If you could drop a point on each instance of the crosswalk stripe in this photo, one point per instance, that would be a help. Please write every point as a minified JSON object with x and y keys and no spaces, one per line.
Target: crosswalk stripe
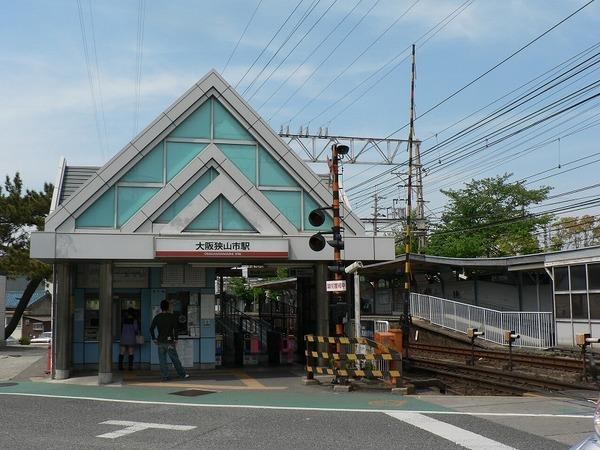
{"x":449,"y":432}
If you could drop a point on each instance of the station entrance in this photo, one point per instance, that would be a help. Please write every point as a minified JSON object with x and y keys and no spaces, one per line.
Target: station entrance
{"x":206,"y":189}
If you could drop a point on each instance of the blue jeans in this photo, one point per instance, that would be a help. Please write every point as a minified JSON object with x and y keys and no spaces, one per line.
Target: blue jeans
{"x":165,"y":349}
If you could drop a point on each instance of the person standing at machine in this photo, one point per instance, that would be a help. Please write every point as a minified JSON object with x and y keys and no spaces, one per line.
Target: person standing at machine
{"x":166,"y":323}
{"x":129,"y":331}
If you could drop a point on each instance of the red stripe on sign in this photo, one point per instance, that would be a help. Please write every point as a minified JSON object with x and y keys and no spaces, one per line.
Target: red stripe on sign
{"x":198,"y":254}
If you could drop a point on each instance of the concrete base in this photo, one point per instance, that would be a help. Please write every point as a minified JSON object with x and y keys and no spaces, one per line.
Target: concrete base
{"x":61,"y":374}
{"x":342,"y":388}
{"x":400,"y":391}
{"x":105,"y":378}
{"x":309,"y":382}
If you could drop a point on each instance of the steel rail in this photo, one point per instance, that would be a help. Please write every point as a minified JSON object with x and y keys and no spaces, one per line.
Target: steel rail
{"x":557,"y":362}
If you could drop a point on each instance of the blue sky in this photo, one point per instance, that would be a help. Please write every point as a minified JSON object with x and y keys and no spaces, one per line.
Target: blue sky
{"x":48,"y":109}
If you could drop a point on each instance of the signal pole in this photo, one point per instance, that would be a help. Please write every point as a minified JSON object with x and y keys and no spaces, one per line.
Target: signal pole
{"x":407,"y":246}
{"x":337,"y":236}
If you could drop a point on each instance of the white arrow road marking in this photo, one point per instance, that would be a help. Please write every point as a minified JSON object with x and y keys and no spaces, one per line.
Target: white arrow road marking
{"x":454,"y":434}
{"x":132,"y":427}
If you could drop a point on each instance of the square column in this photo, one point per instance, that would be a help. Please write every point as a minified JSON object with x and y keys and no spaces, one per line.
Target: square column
{"x":61,"y":324}
{"x":322,"y":297}
{"x":2,"y":309}
{"x":105,"y":324}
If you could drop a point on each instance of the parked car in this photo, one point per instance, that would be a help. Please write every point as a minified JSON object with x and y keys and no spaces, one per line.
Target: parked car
{"x":593,"y":441}
{"x":44,"y":338}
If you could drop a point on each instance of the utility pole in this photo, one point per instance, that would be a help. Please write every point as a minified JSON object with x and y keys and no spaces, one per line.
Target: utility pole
{"x":420,"y":210}
{"x":376,"y":214}
{"x":407,"y":247}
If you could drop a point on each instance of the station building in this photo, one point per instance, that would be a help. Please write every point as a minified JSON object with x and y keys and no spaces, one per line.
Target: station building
{"x":206,"y":187}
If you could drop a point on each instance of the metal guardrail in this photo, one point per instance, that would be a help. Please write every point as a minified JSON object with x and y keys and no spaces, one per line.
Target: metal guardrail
{"x":536,"y":328}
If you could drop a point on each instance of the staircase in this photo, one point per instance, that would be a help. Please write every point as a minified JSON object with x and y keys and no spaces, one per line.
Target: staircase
{"x":238,"y":328}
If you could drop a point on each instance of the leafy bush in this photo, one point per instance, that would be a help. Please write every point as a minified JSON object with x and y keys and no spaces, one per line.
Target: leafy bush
{"x":24,"y":340}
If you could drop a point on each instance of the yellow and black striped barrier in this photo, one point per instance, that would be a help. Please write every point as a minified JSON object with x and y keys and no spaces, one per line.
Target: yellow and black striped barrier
{"x":319,"y":348}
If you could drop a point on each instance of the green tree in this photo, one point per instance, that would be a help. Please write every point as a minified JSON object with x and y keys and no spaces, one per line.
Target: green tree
{"x":20,"y":213}
{"x":574,"y":232}
{"x":489,"y":217}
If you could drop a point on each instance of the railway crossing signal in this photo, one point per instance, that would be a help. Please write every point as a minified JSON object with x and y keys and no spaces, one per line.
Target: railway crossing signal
{"x":317,"y":241}
{"x":510,"y":337}
{"x":473,"y":333}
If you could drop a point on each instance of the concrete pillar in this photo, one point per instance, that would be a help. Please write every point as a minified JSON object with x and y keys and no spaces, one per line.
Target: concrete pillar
{"x":105,"y":325}
{"x":61,"y":326}
{"x":322,"y":298}
{"x":2,"y":309}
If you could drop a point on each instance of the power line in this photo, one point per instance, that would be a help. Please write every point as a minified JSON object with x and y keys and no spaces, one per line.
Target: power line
{"x":139,"y":63}
{"x":487,"y":72}
{"x":321,"y":16}
{"x":90,"y":75}
{"x":432,"y":31}
{"x":311,"y":53}
{"x":241,"y":37}
{"x":485,"y":139}
{"x":98,"y":79}
{"x":304,"y":16}
{"x":345,"y":69}
{"x":269,"y":43}
{"x":495,"y":66}
{"x":326,"y":59}
{"x":550,"y":71}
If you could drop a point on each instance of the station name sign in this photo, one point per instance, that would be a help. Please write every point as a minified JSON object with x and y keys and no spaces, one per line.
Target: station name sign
{"x":220,"y":248}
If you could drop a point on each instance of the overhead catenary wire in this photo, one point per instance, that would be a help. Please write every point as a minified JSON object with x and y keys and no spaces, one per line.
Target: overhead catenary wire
{"x":90,"y":74}
{"x":241,"y":36}
{"x":392,"y":64}
{"x":283,"y":60}
{"x":496,"y":100}
{"x":139,"y":64}
{"x":287,"y":19}
{"x":509,"y":129}
{"x":479,"y":77}
{"x":303,"y":17}
{"x":98,"y":79}
{"x":325,"y":60}
{"x":485,"y":141}
{"x":311,"y":53}
{"x":348,"y":66}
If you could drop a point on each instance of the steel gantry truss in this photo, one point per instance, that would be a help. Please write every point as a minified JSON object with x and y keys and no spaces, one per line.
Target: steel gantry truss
{"x":363,"y":150}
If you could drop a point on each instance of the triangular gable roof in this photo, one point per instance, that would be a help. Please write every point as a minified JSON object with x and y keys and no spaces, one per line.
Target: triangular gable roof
{"x":210,"y":85}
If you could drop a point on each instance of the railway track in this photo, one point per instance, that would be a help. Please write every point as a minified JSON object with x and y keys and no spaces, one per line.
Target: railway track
{"x":554,"y":362}
{"x":503,"y":380}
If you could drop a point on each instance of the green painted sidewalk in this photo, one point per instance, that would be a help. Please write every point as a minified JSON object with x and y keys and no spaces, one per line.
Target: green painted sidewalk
{"x":280,"y":399}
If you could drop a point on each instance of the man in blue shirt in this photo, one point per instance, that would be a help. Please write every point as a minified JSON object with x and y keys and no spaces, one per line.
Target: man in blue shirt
{"x":166,"y":322}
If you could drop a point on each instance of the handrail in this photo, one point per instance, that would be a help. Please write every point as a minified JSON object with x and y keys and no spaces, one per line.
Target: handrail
{"x":536,"y":328}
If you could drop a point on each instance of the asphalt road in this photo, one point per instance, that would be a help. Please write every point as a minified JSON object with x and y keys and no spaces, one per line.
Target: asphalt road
{"x":57,"y":423}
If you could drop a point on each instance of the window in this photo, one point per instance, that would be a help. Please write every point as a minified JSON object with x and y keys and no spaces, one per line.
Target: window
{"x":563,"y":306}
{"x":580,"y":307}
{"x":220,"y":215}
{"x":578,"y":278}
{"x":289,"y":203}
{"x":594,"y":276}
{"x":561,"y":278}
{"x":38,"y":326}
{"x":595,"y":306}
